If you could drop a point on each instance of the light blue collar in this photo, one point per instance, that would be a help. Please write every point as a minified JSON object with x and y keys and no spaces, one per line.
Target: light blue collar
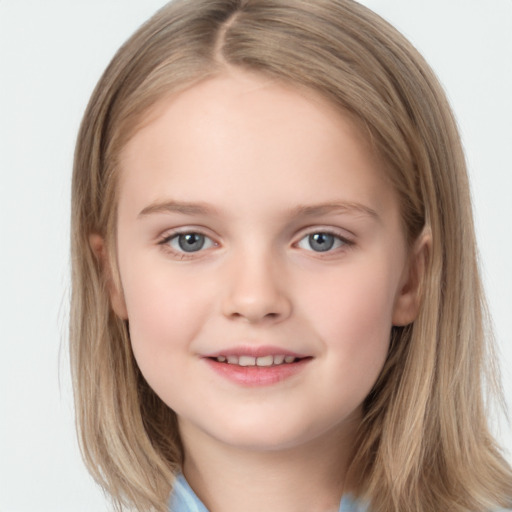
{"x":184,"y":499}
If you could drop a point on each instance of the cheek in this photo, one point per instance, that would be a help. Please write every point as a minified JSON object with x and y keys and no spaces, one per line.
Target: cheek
{"x":352,"y":314}
{"x":162,"y":318}
{"x":355,"y":302}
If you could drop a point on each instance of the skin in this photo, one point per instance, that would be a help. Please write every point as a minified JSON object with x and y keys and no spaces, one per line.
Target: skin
{"x":256,"y":163}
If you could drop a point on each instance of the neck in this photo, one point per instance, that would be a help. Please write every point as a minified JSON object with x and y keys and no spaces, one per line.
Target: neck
{"x":310,"y":477}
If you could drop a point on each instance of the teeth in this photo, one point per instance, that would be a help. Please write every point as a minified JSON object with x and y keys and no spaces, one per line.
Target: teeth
{"x":278,"y":359}
{"x":246,"y":361}
{"x":265,"y":361}
{"x":256,"y":361}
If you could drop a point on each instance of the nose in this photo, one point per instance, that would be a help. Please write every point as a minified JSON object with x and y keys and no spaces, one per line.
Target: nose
{"x":255,"y":290}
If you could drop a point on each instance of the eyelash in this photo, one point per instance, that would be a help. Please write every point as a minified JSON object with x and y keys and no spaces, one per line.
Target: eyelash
{"x":165,"y":243}
{"x":342,"y":242}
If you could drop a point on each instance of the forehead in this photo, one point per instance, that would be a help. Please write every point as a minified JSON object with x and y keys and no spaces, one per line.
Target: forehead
{"x":215,"y":100}
{"x":241,"y":133}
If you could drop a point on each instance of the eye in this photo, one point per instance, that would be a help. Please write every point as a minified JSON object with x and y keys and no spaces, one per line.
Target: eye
{"x":188,"y":242}
{"x":321,"y":242}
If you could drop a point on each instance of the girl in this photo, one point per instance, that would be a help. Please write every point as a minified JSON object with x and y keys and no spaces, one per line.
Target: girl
{"x":276,"y":302}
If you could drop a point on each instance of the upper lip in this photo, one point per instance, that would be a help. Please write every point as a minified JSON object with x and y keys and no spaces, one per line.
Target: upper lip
{"x":255,"y":351}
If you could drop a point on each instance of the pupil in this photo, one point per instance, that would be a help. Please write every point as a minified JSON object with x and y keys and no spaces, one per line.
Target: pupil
{"x":321,"y":241}
{"x":191,"y":242}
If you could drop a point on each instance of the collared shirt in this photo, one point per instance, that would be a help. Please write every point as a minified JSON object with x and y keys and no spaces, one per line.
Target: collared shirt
{"x":184,"y":499}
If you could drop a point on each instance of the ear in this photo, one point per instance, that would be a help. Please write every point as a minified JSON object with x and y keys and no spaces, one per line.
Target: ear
{"x":117,"y":301}
{"x":408,"y":300}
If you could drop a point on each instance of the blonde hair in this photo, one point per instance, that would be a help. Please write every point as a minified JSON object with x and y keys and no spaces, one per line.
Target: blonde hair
{"x":424,"y":442}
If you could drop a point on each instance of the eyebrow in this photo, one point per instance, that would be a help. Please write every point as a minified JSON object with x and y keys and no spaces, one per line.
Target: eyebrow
{"x":186,"y":208}
{"x":329,"y":208}
{"x":199,"y":208}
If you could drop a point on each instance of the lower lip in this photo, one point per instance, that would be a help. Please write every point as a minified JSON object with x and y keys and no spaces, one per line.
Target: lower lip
{"x":257,"y":375}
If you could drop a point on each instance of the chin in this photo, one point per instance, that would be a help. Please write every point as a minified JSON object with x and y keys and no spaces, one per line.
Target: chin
{"x":272,"y":436}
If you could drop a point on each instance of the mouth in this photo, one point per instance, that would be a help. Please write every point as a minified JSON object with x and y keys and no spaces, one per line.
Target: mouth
{"x":257,"y":367}
{"x":261,"y":361}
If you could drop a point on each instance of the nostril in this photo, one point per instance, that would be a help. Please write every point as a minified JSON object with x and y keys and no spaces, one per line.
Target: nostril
{"x":255,"y":316}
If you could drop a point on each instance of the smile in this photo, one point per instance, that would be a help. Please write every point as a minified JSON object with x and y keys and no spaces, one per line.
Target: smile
{"x":262,"y":361}
{"x":262,"y":366}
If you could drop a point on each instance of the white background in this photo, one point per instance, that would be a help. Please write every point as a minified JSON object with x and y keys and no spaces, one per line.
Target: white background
{"x":52,"y":53}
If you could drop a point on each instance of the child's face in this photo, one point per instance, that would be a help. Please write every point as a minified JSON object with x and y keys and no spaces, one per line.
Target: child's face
{"x":254,"y":221}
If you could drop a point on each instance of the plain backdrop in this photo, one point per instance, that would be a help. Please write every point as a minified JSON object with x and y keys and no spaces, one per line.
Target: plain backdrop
{"x":51,"y":55}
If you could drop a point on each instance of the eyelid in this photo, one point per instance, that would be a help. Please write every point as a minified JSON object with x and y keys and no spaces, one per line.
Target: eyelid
{"x":347,"y":239}
{"x":185,"y":229}
{"x":165,"y":238}
{"x":342,"y":233}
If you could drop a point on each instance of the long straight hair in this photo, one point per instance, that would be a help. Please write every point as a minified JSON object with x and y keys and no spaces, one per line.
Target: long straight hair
{"x":424,"y":442}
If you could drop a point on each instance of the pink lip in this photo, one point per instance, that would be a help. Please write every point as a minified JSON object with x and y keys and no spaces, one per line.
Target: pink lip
{"x":253,"y":376}
{"x":253,"y":351}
